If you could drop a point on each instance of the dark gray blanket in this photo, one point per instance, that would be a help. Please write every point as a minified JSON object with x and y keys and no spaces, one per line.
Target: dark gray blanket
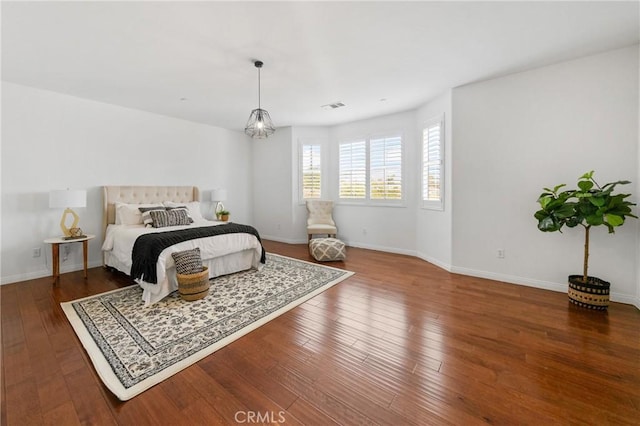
{"x":148,"y":247}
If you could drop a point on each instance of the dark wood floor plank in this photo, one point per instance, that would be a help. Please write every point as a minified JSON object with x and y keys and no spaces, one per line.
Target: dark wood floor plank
{"x":259,"y":378}
{"x":224,"y":403}
{"x":16,"y":365}
{"x":400,"y":342}
{"x":23,"y":406}
{"x":337,"y":409}
{"x":309,"y":415}
{"x":64,"y":414}
{"x":92,"y":408}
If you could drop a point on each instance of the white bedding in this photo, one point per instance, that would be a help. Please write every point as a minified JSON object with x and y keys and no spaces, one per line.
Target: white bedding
{"x":224,"y":254}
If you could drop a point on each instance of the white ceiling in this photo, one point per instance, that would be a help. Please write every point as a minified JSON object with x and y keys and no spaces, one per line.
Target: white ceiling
{"x":152,"y":55}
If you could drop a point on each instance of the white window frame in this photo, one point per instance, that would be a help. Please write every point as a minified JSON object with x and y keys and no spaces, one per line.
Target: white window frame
{"x":367,"y":200}
{"x":301,"y":147}
{"x":357,"y":200}
{"x":431,"y":204}
{"x":386,"y":168}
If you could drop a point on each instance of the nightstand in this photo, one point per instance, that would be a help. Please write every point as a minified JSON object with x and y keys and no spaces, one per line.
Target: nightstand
{"x":55,"y":252}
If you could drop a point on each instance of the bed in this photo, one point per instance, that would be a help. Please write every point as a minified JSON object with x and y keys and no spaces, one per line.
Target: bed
{"x":222,"y":254}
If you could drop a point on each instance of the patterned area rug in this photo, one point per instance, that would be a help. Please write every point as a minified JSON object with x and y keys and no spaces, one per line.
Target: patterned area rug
{"x":134,"y":348}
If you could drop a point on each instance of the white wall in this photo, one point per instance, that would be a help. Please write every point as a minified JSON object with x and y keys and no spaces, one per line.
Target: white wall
{"x":517,"y":134}
{"x":379,"y":227}
{"x":54,"y":141}
{"x":272,"y":188}
{"x":434,"y":227}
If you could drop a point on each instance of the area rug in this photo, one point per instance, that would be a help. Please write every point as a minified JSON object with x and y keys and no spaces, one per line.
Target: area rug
{"x":134,"y":348}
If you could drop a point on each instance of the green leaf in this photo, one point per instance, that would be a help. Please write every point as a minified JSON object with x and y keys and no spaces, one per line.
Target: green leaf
{"x":597,"y":201}
{"x":540,"y":214}
{"x":614,"y":220}
{"x":613,"y":184}
{"x":587,"y":175}
{"x":544,"y":201}
{"x":595,"y":220}
{"x":573,"y":222}
{"x":585,"y":185}
{"x":564,"y":211}
{"x":548,"y":225}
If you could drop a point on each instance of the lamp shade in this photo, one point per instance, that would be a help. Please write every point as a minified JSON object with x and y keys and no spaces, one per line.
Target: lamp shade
{"x":259,"y":125}
{"x":219,"y":194}
{"x":67,"y":198}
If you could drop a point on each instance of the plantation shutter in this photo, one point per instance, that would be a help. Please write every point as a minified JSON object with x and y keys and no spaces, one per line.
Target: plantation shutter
{"x":385,"y":164}
{"x":353,"y":169}
{"x":311,"y":172}
{"x":432,"y":164}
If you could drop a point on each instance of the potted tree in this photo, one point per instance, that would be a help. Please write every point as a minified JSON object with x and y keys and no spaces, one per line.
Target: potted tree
{"x":589,"y":205}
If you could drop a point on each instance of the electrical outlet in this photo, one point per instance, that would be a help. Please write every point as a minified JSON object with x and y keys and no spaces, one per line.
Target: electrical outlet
{"x":35,"y":252}
{"x":364,"y":231}
{"x":500,"y":254}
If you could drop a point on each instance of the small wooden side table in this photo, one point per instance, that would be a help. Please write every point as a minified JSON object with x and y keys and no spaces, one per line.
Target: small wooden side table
{"x":55,"y":252}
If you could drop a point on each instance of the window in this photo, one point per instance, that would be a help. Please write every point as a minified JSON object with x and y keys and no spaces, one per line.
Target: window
{"x":353,"y":170}
{"x":432,"y":165}
{"x":385,"y":165}
{"x":371,"y":169}
{"x":311,"y":171}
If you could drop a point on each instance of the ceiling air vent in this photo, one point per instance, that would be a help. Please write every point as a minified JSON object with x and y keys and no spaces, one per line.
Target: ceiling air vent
{"x":332,"y":106}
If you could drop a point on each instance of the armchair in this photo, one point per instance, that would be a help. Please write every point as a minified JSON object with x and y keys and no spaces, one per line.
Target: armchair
{"x":319,"y":219}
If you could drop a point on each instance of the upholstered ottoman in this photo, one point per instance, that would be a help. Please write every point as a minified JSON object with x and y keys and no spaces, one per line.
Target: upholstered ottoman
{"x":327,"y":249}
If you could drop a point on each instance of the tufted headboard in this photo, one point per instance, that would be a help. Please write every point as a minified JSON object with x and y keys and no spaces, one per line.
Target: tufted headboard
{"x":142,"y":195}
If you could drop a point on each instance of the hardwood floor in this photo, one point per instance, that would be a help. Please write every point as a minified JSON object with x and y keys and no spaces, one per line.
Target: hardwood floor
{"x":401,"y":342}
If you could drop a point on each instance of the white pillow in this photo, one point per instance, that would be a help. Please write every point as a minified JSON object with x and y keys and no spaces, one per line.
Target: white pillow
{"x":193,"y":207}
{"x":128,"y":214}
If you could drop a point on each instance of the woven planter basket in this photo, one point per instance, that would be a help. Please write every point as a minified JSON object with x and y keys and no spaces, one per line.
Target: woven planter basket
{"x":593,"y":295}
{"x":194,"y":286}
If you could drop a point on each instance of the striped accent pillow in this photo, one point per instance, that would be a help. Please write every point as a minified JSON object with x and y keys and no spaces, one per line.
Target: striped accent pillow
{"x":188,"y":261}
{"x":146,"y":214}
{"x":183,"y":208}
{"x":164,"y":218}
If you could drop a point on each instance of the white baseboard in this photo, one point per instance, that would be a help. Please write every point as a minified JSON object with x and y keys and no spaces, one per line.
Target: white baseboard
{"x":47,"y":272}
{"x":447,"y":267}
{"x":381,"y":248}
{"x":624,"y":298}
{"x":511,"y":279}
{"x":546,"y":285}
{"x":282,"y":240}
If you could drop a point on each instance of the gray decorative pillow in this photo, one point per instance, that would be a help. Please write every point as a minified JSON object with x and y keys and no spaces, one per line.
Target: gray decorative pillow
{"x":183,"y":208}
{"x":188,"y":261}
{"x":164,"y":218}
{"x":146,"y":215}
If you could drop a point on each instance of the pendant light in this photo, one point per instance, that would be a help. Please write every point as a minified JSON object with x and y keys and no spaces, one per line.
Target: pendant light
{"x":259,"y":125}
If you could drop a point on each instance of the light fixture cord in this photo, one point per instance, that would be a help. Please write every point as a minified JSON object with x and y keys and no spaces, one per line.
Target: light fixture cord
{"x":258,"y":87}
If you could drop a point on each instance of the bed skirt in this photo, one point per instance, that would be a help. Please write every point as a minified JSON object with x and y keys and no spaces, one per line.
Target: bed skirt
{"x":223,"y":265}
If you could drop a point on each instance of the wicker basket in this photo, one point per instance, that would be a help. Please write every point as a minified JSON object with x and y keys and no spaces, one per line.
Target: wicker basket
{"x":593,"y":295}
{"x":194,"y":286}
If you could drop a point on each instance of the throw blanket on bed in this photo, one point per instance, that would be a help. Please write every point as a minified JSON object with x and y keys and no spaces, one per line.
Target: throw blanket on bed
{"x":148,"y":247}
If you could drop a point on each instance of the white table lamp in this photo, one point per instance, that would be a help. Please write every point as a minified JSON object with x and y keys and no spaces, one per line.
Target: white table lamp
{"x":218,"y":195}
{"x":65,"y":199}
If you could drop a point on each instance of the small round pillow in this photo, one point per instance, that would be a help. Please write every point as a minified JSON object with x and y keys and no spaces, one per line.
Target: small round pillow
{"x":188,"y":261}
